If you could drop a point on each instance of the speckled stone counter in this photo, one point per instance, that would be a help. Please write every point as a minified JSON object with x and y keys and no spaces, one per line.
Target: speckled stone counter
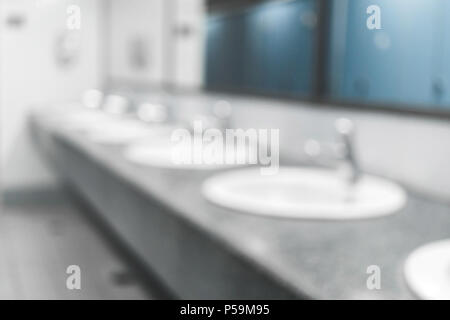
{"x":203,"y":251}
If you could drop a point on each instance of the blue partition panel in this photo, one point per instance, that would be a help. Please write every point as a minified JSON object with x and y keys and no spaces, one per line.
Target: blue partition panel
{"x":281,"y":36}
{"x":268,"y":48}
{"x":396,"y":64}
{"x":225,"y":48}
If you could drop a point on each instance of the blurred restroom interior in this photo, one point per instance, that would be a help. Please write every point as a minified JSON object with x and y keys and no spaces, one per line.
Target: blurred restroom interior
{"x":312,"y":69}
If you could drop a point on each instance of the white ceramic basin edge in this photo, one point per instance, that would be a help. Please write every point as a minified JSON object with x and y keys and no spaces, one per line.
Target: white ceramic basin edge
{"x":303,"y":193}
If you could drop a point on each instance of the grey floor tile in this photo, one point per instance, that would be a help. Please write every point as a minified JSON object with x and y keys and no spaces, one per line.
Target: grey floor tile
{"x":39,"y":242}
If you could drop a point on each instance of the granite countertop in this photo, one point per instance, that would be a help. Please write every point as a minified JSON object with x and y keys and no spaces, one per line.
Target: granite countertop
{"x":322,"y":259}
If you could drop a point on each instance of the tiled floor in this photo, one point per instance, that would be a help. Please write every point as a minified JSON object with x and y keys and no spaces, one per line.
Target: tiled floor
{"x":39,"y":242}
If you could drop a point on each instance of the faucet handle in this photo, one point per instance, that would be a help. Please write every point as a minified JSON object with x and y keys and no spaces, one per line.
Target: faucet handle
{"x":346,"y":148}
{"x":346,"y":131}
{"x":343,"y":151}
{"x":222,"y":111}
{"x":344,"y":126}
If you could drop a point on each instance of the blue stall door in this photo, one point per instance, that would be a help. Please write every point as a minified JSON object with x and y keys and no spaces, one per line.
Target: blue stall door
{"x":267,"y":48}
{"x":224,"y":52}
{"x":280,"y":47}
{"x":397,"y":63}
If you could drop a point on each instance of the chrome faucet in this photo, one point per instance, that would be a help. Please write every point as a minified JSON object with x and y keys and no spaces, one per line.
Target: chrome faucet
{"x":343,"y":150}
{"x":222,"y":111}
{"x":346,"y":148}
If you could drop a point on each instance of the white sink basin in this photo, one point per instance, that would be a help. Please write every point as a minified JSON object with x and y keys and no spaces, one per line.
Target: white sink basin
{"x":124,"y":132}
{"x":303,"y":193}
{"x":79,"y":120}
{"x":104,"y":128}
{"x":427,"y":271}
{"x":160,"y":153}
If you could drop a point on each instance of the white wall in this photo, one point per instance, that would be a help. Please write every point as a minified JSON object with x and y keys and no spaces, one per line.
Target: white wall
{"x":130,"y":20}
{"x":29,"y":75}
{"x":170,"y":58}
{"x":189,"y":48}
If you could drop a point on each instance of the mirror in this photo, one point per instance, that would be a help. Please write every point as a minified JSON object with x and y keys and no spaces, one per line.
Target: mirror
{"x":391,"y":54}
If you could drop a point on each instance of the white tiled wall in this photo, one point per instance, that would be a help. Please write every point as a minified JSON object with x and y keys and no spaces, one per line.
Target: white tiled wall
{"x":29,"y":75}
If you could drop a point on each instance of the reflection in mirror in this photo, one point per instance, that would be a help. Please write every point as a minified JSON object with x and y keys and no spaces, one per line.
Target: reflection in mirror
{"x":384,"y":53}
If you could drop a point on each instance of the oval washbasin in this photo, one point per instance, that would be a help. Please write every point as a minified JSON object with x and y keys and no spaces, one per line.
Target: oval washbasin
{"x":427,"y":271}
{"x":80,"y":120}
{"x":103,"y":128}
{"x":303,"y":193}
{"x":163,"y":153}
{"x":124,"y":131}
